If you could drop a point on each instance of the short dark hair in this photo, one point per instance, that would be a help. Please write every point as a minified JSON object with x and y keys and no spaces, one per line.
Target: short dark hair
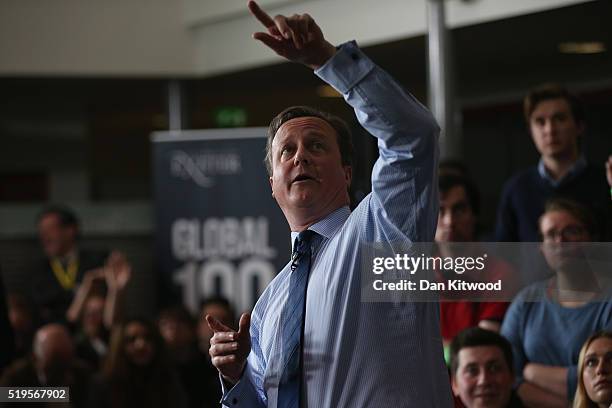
{"x":344,"y":138}
{"x":577,"y":210}
{"x":65,"y":214}
{"x":549,"y":91}
{"x":221,"y":301}
{"x":446,"y":181}
{"x":177,"y":313}
{"x":475,"y":337}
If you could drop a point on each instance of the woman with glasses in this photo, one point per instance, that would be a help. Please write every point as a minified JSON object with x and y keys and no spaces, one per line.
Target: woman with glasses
{"x":595,"y":372}
{"x":549,"y":320}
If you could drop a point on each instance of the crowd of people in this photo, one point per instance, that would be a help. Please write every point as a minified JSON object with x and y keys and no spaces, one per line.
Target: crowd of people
{"x":550,"y":347}
{"x":73,"y":330}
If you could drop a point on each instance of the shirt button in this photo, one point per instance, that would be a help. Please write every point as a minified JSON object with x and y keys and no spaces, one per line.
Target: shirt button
{"x":355,"y":57}
{"x":234,"y":401}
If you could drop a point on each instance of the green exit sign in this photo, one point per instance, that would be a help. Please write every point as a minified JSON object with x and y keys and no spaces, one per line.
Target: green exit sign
{"x":228,"y":116}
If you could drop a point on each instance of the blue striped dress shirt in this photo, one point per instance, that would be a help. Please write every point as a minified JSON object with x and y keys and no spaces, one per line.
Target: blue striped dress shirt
{"x":359,"y":354}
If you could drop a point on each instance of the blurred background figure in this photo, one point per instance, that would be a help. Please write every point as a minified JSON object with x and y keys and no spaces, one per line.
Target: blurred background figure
{"x":482,"y":370}
{"x":7,"y":338}
{"x":55,"y":278}
{"x":556,"y":120}
{"x":457,"y":222}
{"x":52,"y":364}
{"x":546,"y":327}
{"x":137,"y":372}
{"x":198,"y":377}
{"x":97,"y":305}
{"x":23,"y":321}
{"x":220,"y":309}
{"x":595,"y":372}
{"x":91,"y":340}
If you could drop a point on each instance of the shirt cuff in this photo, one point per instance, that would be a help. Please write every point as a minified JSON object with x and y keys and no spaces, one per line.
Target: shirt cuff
{"x":242,"y":394}
{"x":346,"y":68}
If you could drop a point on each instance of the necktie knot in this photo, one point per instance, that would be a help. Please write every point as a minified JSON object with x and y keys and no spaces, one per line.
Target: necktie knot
{"x":302,"y":247}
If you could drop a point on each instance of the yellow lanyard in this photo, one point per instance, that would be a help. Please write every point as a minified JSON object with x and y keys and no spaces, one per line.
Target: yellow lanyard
{"x":66,"y":277}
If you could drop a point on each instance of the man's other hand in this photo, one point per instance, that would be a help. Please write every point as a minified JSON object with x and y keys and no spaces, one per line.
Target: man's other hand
{"x":229,"y":349}
{"x":297,"y":38}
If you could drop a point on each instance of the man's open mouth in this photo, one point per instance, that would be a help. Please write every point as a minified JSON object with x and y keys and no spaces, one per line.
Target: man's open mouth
{"x":302,"y":177}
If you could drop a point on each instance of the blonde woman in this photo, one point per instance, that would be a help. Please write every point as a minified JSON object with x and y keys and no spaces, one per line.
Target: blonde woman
{"x":595,"y":372}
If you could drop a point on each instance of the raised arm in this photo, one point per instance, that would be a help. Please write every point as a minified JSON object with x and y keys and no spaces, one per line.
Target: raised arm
{"x":403,"y":180}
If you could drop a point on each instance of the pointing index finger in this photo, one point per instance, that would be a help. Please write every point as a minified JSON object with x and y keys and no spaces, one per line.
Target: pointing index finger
{"x":260,"y":15}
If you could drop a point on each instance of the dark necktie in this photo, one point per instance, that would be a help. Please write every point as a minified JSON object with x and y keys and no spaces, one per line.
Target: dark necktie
{"x":292,"y":321}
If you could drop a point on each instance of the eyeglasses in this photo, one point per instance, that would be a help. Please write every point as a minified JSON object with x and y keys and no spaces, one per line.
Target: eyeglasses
{"x":569,"y":233}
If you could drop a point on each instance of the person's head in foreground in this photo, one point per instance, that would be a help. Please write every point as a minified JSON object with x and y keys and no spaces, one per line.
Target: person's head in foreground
{"x":556,"y":120}
{"x":595,"y":372}
{"x":459,"y":205}
{"x":481,"y":369}
{"x":53,"y":354}
{"x":308,"y":158}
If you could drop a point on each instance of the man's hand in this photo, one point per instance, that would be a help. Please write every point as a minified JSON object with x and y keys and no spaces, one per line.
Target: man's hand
{"x":297,"y":38}
{"x":229,"y":349}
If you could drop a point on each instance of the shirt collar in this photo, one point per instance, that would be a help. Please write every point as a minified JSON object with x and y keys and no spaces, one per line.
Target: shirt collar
{"x":576,"y":168}
{"x":327,"y":226}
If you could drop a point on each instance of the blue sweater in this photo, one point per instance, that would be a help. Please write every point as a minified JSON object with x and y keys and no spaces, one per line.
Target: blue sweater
{"x":524,"y":195}
{"x":542,"y":331}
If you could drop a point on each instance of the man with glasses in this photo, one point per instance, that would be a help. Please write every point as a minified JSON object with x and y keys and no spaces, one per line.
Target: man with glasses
{"x":549,"y":320}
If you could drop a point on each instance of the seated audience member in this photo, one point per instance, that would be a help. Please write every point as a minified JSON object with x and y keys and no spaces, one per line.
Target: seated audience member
{"x":91,"y":341}
{"x":220,"y":309}
{"x":137,"y":372}
{"x":23,"y":321}
{"x":459,"y":205}
{"x":7,"y":336}
{"x":198,"y":377}
{"x":97,"y":310}
{"x":55,"y":277}
{"x":52,"y":364}
{"x":556,"y":121}
{"x":549,"y":320}
{"x":482,"y":370}
{"x":595,"y":372}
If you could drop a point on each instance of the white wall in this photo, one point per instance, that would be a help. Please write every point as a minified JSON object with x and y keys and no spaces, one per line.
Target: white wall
{"x":94,"y":37}
{"x":201,"y":37}
{"x":225,"y":44}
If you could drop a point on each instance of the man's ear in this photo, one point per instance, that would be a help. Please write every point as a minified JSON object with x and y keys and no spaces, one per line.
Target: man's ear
{"x":271,"y":185}
{"x":454,"y":386}
{"x":348,"y":175}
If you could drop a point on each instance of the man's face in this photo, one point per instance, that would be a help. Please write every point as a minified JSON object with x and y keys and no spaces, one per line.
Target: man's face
{"x":561,"y":227}
{"x":483,"y":378}
{"x":554,"y":129}
{"x":456,"y":221}
{"x":55,"y":238}
{"x":597,"y":371}
{"x":308,"y":178}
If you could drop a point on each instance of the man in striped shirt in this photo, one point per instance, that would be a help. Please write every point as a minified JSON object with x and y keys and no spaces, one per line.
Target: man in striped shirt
{"x":353,"y":353}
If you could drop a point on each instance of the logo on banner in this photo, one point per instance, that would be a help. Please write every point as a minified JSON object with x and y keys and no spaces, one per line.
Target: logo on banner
{"x":229,"y":254}
{"x":202,"y":167}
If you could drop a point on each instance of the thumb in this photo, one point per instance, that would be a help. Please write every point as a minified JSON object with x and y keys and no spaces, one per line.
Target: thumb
{"x":216,"y":326}
{"x":244,"y":324}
